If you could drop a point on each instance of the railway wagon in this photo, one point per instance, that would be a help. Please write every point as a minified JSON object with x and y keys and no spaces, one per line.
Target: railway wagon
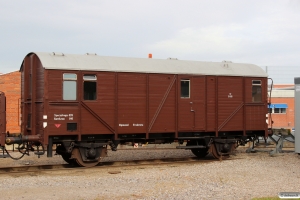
{"x":86,"y":103}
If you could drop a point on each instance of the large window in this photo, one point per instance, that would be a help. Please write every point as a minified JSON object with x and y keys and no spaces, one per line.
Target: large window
{"x":256,"y":91}
{"x":90,"y":87}
{"x":185,"y":88}
{"x":69,"y":86}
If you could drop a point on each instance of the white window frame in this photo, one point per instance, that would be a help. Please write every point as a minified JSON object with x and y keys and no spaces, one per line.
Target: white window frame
{"x":189,"y":81}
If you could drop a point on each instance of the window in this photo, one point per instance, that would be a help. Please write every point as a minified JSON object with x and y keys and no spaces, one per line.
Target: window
{"x":185,"y":88}
{"x":277,"y":108}
{"x":256,"y":91}
{"x":90,"y":87}
{"x":69,"y":86}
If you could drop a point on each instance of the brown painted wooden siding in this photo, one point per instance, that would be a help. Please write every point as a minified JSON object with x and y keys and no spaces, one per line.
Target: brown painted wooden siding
{"x":256,"y":112}
{"x":211,"y":103}
{"x":103,"y":106}
{"x":39,"y":96}
{"x":191,"y":111}
{"x":162,"y":103}
{"x":230,"y":102}
{"x":132,"y":103}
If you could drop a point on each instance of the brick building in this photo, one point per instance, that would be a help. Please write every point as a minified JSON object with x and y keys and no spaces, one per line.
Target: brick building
{"x":10,"y":84}
{"x":283,"y":106}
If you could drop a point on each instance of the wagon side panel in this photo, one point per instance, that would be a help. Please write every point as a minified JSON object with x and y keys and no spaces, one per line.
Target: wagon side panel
{"x":191,"y":103}
{"x":162,"y":103}
{"x":98,"y":112}
{"x":62,"y":116}
{"x":211,"y":103}
{"x":131,"y":103}
{"x":256,"y":103}
{"x":230,"y":104}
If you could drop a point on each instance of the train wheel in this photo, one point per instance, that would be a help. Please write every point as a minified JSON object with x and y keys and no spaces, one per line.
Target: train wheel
{"x":216,"y":154}
{"x":66,"y":156}
{"x":200,"y":153}
{"x":77,"y":156}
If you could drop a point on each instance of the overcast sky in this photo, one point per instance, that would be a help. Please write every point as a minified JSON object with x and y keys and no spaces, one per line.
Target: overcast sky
{"x":261,"y":32}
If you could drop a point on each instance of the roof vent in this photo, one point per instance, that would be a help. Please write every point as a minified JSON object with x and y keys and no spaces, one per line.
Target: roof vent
{"x":57,"y":54}
{"x":172,"y":58}
{"x":91,"y":54}
{"x":226,"y":61}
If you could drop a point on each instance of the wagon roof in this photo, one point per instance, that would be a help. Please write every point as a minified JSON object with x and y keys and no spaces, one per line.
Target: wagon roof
{"x":146,"y":65}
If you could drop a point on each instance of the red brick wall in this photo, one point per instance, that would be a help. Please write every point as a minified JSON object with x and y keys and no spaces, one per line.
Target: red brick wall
{"x":284,"y":120}
{"x":283,"y":85}
{"x":10,"y":84}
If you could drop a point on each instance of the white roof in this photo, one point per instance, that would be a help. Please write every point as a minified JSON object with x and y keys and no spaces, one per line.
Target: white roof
{"x":146,"y":65}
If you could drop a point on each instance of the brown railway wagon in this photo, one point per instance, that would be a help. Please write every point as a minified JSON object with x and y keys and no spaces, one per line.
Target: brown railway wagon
{"x":84,"y":103}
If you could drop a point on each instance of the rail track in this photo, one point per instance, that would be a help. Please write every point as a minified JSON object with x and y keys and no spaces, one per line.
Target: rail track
{"x":116,"y":164}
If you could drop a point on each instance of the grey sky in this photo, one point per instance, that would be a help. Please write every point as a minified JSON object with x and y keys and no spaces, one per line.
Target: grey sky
{"x":265,"y":33}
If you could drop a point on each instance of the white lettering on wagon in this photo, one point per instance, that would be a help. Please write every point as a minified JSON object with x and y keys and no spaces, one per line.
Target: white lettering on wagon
{"x":123,"y":125}
{"x":63,"y":116}
{"x":137,"y":124}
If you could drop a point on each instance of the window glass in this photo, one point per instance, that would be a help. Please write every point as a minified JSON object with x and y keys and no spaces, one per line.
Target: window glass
{"x":185,"y":88}
{"x":90,"y":87}
{"x":70,"y":76}
{"x":277,"y":110}
{"x":256,"y":91}
{"x":69,"y":86}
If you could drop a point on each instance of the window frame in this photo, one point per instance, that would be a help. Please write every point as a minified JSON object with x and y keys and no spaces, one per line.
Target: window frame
{"x":69,"y":92}
{"x":256,"y":84}
{"x":87,"y":78}
{"x":189,"y":89}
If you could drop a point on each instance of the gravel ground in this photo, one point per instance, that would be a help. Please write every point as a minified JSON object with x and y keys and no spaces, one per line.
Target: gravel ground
{"x":245,"y":176}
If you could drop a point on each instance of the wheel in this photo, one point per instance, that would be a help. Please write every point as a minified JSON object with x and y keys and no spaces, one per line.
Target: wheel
{"x":67,"y":158}
{"x":200,"y":153}
{"x":77,"y":156}
{"x":216,"y":154}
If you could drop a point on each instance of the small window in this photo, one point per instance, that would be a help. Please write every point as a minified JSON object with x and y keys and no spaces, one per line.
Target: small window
{"x":279,"y":110}
{"x":185,"y":88}
{"x":90,"y":87}
{"x":69,"y":86}
{"x":256,"y":91}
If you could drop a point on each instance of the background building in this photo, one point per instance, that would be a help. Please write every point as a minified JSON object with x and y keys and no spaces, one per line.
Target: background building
{"x":282,"y":106}
{"x":10,"y":84}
